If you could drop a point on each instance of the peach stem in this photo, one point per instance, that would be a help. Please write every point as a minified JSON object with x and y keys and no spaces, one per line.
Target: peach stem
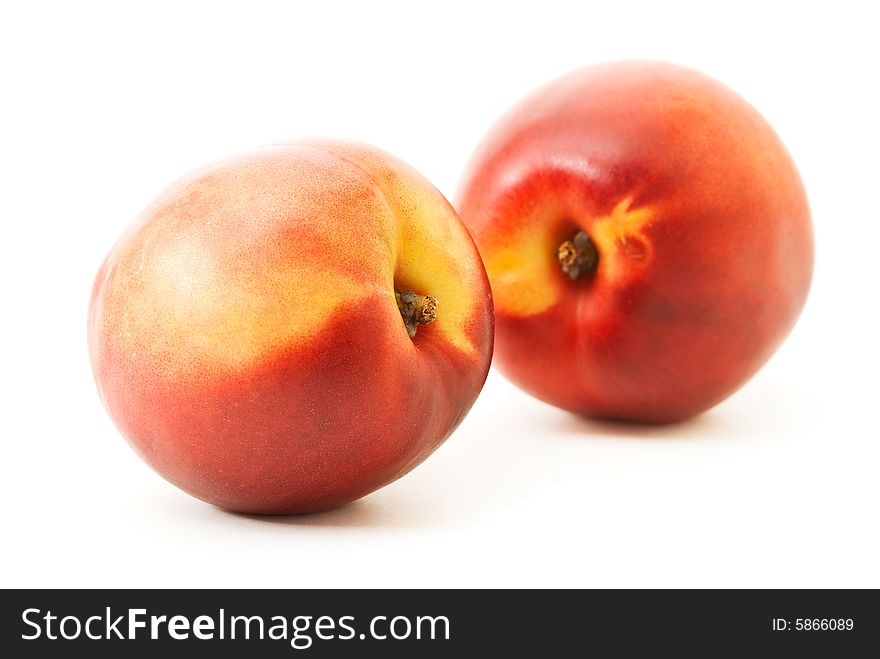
{"x":578,"y":256}
{"x":415,"y":309}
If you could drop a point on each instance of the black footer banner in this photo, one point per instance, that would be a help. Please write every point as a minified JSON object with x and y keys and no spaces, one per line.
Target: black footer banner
{"x":429,"y":623}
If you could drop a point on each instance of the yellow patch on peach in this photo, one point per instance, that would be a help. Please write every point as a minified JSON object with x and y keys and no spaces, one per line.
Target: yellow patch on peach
{"x":224,"y":316}
{"x":523,"y":266}
{"x":419,"y":268}
{"x":520,"y":269}
{"x":619,"y":238}
{"x":420,"y":260}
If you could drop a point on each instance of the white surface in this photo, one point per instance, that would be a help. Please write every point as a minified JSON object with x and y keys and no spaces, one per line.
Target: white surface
{"x":104,"y":105}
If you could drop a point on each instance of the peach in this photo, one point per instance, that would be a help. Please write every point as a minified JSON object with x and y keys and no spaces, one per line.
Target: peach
{"x":290,"y":329}
{"x":647,"y":238}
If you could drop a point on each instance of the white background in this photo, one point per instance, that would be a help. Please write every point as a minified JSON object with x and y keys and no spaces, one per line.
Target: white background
{"x":105,"y":104}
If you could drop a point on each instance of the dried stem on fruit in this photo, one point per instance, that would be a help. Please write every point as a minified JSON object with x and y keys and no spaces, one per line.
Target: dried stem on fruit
{"x":578,"y":256}
{"x":415,"y":309}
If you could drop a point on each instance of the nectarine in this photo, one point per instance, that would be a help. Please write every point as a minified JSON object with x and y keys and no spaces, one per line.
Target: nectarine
{"x":647,"y":238}
{"x":290,"y":329}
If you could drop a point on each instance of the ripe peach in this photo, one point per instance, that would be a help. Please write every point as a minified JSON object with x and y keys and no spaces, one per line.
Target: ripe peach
{"x":288,"y":330}
{"x":647,"y":238}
